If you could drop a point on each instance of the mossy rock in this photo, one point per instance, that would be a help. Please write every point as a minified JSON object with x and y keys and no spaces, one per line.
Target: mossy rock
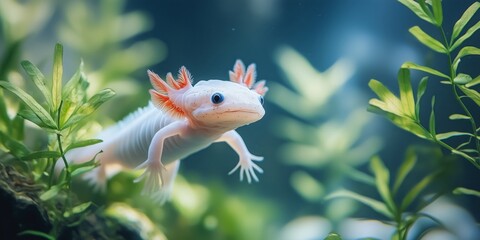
{"x":19,"y":206}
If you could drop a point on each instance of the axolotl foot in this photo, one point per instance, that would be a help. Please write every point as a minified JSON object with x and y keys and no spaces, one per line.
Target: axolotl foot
{"x":248,"y":167}
{"x":153,"y":176}
{"x":158,"y":179}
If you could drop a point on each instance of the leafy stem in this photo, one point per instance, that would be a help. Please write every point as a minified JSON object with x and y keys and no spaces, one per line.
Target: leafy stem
{"x":472,"y":120}
{"x":453,"y":75}
{"x":404,"y":111}
{"x":60,"y":147}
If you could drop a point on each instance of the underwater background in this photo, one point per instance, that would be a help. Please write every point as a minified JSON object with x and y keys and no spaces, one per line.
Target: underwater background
{"x":317,"y":137}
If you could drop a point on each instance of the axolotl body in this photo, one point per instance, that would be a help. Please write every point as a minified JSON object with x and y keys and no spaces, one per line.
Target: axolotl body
{"x":181,"y":119}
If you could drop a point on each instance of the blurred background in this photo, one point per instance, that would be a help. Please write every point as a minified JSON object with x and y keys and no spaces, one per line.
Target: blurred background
{"x":316,"y":136}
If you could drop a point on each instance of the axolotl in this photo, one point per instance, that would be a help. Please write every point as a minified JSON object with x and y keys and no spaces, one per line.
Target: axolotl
{"x":181,"y":119}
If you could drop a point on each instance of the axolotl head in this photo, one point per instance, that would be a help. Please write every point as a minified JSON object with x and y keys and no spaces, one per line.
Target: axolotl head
{"x":222,"y":105}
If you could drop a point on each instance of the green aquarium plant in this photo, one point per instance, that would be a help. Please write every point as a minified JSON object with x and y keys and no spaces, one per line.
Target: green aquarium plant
{"x":402,"y":209}
{"x":404,"y":111}
{"x":18,"y":21}
{"x":108,"y":41}
{"x":61,"y":112}
{"x":312,"y":115}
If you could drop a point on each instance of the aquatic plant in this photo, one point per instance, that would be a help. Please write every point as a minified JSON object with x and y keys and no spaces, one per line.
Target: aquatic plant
{"x":318,"y":135}
{"x":18,"y":21}
{"x":60,"y":113}
{"x":402,"y":209}
{"x":107,"y":39}
{"x":104,"y":40}
{"x":405,"y":111}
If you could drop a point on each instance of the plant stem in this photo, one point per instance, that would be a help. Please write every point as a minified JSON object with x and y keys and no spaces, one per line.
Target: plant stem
{"x":472,"y":120}
{"x":60,"y":147}
{"x":457,"y":97}
{"x":52,"y":173}
{"x":63,"y":156}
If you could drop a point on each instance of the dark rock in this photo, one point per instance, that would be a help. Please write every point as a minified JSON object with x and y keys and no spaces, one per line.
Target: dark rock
{"x":19,"y":206}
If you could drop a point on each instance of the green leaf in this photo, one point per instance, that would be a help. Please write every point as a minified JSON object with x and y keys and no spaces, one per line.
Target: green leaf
{"x":443,"y":136}
{"x":73,"y":120}
{"x":458,"y":117}
{"x":411,"y":65}
{"x":377,"y":206}
{"x":432,"y":127}
{"x":464,"y":19}
{"x":97,"y":100}
{"x":462,"y":79}
{"x":466,"y":156}
{"x":36,"y":233}
{"x":415,"y":191}
{"x":52,"y":192}
{"x":77,"y":169}
{"x":82,"y":143}
{"x":16,"y":148}
{"x":427,"y":10}
{"x":468,"y":150}
{"x":446,"y":82}
{"x":472,"y":94}
{"x":407,"y":165}
{"x":57,"y":76}
{"x":474,"y":82}
{"x":4,"y":118}
{"x":307,"y":186}
{"x":76,"y":89}
{"x":31,"y":103}
{"x":422,"y":87}
{"x":466,"y":191}
{"x":38,"y":78}
{"x":465,"y":36}
{"x":382,"y":178}
{"x":403,"y":122}
{"x":85,"y":169}
{"x":100,"y":98}
{"x":73,"y":82}
{"x":465,"y":51}
{"x":437,"y":12}
{"x":389,"y":103}
{"x":360,"y":176}
{"x":333,"y":236}
{"x":30,"y":115}
{"x":417,"y":9}
{"x":18,"y":127}
{"x":406,"y":93}
{"x":455,"y":66}
{"x":92,"y":104}
{"x":77,"y":209}
{"x":427,"y":40}
{"x":41,"y":154}
{"x":66,"y":112}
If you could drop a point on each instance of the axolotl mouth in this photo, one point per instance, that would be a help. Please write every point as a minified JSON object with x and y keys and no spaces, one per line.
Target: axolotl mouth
{"x":244,"y":115}
{"x":231,"y":118}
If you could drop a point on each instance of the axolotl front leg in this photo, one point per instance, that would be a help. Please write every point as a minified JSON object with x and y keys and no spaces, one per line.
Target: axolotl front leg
{"x":156,"y":174}
{"x":159,"y":177}
{"x":245,"y":163}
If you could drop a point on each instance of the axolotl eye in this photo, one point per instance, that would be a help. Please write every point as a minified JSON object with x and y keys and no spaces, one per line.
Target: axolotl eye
{"x":261,"y":100}
{"x":217,"y":98}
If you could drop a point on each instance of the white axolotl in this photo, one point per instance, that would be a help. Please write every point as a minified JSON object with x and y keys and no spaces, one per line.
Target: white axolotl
{"x":180,"y":120}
